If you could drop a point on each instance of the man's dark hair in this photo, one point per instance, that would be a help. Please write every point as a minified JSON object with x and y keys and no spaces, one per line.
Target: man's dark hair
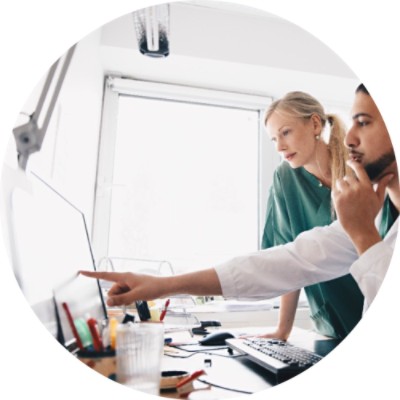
{"x":362,"y":88}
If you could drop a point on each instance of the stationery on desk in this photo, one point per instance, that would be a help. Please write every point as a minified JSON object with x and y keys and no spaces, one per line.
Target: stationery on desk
{"x":164,"y":311}
{"x":72,"y":325}
{"x":96,"y":342}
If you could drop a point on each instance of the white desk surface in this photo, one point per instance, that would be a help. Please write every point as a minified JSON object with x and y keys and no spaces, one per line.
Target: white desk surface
{"x":235,"y":373}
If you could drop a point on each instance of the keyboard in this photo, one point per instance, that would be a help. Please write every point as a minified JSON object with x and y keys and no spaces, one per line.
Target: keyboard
{"x":282,"y":359}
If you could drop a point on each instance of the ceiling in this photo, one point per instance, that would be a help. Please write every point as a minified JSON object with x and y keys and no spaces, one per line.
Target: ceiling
{"x":234,"y":33}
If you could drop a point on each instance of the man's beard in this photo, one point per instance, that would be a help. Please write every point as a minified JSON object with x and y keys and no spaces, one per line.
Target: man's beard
{"x":376,"y":168}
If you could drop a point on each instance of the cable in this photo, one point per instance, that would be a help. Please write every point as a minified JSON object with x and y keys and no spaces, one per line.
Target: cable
{"x":197,"y":350}
{"x":192,"y":353}
{"x":223,"y":387}
{"x":172,"y":356}
{"x":208,"y":352}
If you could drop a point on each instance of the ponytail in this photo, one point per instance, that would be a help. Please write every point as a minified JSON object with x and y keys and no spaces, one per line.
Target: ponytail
{"x":337,"y":148}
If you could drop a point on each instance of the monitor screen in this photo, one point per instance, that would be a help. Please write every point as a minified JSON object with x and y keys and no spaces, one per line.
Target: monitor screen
{"x":52,"y":245}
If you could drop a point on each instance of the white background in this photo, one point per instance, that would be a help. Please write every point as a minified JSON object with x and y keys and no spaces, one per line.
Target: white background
{"x":35,"y":33}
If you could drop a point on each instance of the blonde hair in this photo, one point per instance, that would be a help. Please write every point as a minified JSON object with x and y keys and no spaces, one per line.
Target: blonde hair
{"x":303,"y":105}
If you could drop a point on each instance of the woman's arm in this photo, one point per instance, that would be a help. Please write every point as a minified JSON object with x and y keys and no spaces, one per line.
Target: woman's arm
{"x":287,"y":313}
{"x":278,"y":230}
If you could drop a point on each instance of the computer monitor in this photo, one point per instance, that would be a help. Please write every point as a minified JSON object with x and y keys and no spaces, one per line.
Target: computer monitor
{"x":52,"y":244}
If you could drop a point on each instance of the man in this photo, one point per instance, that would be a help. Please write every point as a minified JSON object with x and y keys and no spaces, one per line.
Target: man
{"x":353,"y":243}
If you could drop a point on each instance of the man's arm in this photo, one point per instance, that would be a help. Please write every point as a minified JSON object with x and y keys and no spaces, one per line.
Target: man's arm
{"x":318,"y":255}
{"x":357,"y":204}
{"x":129,"y":287}
{"x":370,"y":269}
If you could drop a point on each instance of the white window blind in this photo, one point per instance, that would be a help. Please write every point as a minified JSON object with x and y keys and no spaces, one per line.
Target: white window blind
{"x":185,"y":181}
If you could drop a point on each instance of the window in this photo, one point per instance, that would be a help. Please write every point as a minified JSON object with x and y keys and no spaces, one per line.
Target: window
{"x":180,"y":176}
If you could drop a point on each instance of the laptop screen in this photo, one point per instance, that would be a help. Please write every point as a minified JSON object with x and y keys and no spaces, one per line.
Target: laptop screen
{"x":53,"y":244}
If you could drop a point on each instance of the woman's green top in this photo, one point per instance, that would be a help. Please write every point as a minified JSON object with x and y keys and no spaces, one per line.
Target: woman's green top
{"x":298,"y":202}
{"x":389,"y":216}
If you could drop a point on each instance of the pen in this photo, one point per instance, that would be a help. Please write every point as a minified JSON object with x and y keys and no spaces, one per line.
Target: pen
{"x":167,"y":341}
{"x":72,"y":325}
{"x":181,"y":384}
{"x":164,"y":312}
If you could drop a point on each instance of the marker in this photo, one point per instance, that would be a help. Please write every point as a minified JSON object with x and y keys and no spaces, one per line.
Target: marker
{"x":128,"y":318}
{"x":84,"y":333}
{"x":72,"y":325}
{"x":113,"y":332}
{"x":164,"y":312}
{"x":105,"y":334}
{"x":143,"y":310}
{"x":94,"y":331}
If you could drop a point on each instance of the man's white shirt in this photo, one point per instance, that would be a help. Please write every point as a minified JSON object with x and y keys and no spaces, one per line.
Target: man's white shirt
{"x":318,"y":255}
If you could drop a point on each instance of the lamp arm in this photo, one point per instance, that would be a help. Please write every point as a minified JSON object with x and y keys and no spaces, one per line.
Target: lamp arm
{"x":29,"y":137}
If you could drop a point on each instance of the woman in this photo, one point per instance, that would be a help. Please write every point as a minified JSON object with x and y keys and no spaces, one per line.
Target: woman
{"x":300,"y":199}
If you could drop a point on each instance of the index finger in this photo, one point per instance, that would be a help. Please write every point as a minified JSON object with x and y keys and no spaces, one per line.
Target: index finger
{"x":106,"y":276}
{"x":359,"y":171}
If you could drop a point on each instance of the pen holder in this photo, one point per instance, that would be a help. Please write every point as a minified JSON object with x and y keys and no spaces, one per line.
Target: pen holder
{"x":102,"y":362}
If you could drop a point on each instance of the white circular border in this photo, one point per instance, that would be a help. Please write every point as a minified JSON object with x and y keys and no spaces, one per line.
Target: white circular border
{"x":35,"y":33}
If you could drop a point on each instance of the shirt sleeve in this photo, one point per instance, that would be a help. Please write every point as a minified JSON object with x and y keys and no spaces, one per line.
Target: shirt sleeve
{"x":370,"y":269}
{"x":318,"y":255}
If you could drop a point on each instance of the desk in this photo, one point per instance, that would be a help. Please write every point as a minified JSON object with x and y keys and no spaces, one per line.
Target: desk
{"x":228,"y":372}
{"x":245,"y":318}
